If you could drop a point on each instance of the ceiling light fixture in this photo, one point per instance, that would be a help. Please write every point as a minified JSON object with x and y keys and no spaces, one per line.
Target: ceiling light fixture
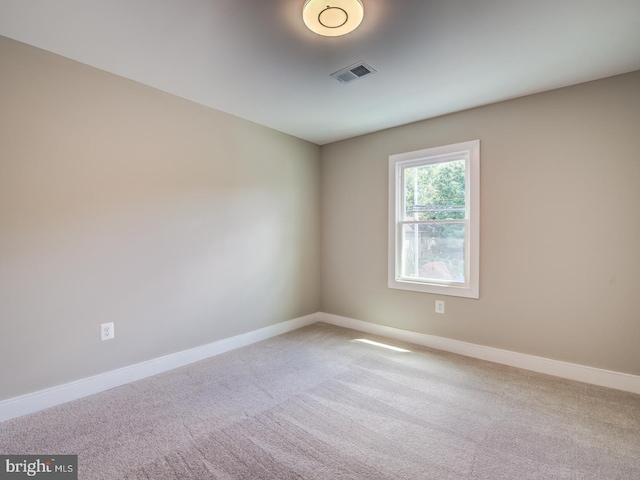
{"x":332,"y":18}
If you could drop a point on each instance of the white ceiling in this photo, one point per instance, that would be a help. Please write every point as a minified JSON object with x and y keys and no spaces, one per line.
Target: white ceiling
{"x":256,"y":59}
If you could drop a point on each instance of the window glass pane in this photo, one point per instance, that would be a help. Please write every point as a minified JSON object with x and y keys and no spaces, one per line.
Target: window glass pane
{"x":435,"y":191}
{"x":434,"y":251}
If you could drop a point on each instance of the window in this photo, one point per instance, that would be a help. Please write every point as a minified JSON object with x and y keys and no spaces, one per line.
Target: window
{"x":434,"y":209}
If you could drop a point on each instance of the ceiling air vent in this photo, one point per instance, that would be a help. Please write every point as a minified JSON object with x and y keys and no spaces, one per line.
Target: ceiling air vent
{"x":353,"y":72}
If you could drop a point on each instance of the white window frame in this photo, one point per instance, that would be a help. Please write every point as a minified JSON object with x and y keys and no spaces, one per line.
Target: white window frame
{"x":470,"y":152}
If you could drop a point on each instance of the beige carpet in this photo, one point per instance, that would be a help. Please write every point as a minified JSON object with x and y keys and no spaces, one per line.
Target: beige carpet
{"x":316,"y":404}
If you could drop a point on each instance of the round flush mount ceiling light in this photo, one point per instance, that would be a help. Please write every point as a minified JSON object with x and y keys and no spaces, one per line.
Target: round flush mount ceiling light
{"x":332,"y":18}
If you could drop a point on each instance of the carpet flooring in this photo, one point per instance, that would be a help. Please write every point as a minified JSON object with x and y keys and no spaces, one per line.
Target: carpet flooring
{"x":317,"y":403}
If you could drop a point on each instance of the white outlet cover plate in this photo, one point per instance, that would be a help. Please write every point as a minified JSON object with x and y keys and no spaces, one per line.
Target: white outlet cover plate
{"x":106,"y":331}
{"x":439,"y":306}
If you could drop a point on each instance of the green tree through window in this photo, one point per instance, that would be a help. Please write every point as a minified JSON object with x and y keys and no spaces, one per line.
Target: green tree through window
{"x":435,"y":192}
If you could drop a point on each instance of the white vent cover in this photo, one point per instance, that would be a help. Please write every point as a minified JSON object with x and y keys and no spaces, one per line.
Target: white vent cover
{"x":353,"y":72}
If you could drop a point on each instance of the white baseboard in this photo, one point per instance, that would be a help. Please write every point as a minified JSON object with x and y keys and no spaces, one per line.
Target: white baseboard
{"x":33,"y":402}
{"x":581,"y":373}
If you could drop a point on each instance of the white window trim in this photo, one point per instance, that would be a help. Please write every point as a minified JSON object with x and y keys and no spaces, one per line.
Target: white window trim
{"x":471,"y":150}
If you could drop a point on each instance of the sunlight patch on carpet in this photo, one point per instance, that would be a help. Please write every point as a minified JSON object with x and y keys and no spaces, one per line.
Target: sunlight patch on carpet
{"x":383,"y":345}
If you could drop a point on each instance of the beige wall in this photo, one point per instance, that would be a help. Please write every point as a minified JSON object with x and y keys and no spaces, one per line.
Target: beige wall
{"x":560,"y":227}
{"x":181,"y":224}
{"x":185,"y":225}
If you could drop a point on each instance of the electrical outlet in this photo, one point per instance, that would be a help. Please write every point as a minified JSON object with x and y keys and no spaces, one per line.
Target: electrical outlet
{"x":106,"y":331}
{"x":439,"y":306}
